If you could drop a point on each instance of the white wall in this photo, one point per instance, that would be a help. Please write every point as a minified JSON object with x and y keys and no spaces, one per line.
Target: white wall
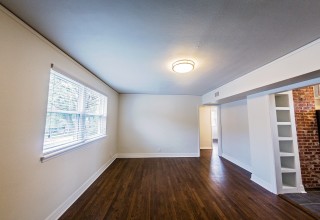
{"x":29,"y":189}
{"x":235,"y":133}
{"x":261,"y":142}
{"x":205,"y":127}
{"x":155,"y":125}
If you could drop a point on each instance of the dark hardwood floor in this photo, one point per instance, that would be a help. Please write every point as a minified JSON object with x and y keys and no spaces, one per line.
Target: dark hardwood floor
{"x":179,"y":188}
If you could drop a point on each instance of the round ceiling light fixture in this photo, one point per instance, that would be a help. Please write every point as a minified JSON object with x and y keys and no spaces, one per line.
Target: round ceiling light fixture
{"x":183,"y":66}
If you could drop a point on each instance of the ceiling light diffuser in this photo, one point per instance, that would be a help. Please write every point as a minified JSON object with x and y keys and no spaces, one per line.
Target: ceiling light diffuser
{"x":183,"y":66}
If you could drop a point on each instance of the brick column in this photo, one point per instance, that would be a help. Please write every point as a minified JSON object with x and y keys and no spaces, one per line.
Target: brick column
{"x":307,"y":134}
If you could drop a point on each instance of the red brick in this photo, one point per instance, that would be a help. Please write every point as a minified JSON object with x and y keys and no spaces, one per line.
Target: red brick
{"x":307,"y":136}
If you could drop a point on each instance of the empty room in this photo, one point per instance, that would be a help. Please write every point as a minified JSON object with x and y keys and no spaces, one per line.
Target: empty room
{"x":176,"y":109}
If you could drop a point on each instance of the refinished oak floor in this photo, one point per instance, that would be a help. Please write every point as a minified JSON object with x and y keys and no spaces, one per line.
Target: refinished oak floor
{"x":179,"y":188}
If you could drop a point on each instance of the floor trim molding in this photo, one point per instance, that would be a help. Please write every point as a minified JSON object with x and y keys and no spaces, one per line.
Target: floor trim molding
{"x":206,"y":148}
{"x":263,"y":183}
{"x":237,"y":162}
{"x":71,"y":199}
{"x":155,"y":155}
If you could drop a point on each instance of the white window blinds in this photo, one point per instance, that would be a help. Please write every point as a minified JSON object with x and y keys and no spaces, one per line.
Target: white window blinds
{"x":75,"y":114}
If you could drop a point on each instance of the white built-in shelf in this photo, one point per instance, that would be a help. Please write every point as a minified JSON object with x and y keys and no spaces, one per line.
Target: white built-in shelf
{"x":289,"y":179}
{"x":286,"y":146}
{"x":287,"y":162}
{"x":281,"y":100}
{"x":285,"y":138}
{"x":283,"y":108}
{"x":287,"y":170}
{"x":288,"y":187}
{"x":284,"y":130}
{"x":286,"y":154}
{"x":283,"y":123}
{"x":283,"y":116}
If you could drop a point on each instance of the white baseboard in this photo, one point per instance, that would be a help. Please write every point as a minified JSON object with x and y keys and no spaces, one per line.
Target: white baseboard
{"x":64,"y":206}
{"x":154,"y":155}
{"x":237,"y":162}
{"x":206,"y":148}
{"x":254,"y":178}
{"x":301,"y":189}
{"x":263,"y":183}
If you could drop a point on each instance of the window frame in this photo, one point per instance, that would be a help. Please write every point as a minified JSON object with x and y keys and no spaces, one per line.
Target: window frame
{"x":54,"y":151}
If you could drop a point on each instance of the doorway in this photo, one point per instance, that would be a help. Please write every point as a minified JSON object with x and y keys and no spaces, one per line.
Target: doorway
{"x":208,"y":127}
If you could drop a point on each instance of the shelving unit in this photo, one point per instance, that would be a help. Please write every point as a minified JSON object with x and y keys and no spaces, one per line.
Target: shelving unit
{"x":285,"y":144}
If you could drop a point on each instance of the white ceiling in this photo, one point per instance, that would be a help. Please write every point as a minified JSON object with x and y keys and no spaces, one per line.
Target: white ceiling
{"x":131,"y":44}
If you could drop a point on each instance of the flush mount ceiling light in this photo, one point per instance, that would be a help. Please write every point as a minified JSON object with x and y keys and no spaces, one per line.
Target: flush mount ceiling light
{"x":183,"y":66}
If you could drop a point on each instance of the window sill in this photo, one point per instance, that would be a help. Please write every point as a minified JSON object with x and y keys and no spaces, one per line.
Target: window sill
{"x":57,"y":152}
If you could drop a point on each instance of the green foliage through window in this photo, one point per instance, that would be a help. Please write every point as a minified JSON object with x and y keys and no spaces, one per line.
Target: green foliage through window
{"x":75,"y":113}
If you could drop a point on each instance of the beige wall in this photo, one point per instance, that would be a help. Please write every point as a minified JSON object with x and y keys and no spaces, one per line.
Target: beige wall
{"x":205,"y":127}
{"x":214,"y":122}
{"x":158,"y":124}
{"x":29,"y":189}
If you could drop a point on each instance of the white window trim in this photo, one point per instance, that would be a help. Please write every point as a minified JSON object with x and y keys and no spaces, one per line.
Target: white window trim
{"x":63,"y":148}
{"x":55,"y":152}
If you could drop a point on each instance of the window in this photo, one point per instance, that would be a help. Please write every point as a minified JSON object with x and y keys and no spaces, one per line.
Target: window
{"x":76,"y":114}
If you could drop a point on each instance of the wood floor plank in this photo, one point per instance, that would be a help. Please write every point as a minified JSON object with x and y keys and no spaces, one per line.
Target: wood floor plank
{"x":208,"y":187}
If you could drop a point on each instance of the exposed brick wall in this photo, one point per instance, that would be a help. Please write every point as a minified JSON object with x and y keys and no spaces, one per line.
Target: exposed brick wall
{"x":307,"y":134}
